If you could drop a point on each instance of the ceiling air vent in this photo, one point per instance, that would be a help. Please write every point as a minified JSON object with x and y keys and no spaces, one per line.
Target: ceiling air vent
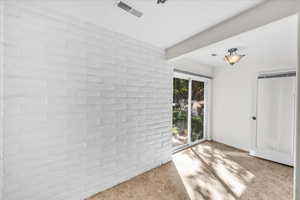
{"x":129,"y":9}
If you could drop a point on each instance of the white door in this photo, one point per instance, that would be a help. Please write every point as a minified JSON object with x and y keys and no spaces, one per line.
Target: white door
{"x":276,"y":119}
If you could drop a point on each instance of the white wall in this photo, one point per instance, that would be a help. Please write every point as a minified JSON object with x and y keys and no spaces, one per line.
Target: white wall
{"x":85,"y":108}
{"x":234,"y":93}
{"x":1,"y":99}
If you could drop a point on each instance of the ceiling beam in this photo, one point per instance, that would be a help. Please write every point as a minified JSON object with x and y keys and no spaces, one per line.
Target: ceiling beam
{"x":262,"y":14}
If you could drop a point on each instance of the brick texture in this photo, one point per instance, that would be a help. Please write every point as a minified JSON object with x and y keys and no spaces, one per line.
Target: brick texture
{"x":84,"y":108}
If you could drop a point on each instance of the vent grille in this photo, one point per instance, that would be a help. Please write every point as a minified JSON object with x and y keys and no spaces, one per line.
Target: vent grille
{"x":129,"y":9}
{"x":136,"y":13}
{"x":124,"y":6}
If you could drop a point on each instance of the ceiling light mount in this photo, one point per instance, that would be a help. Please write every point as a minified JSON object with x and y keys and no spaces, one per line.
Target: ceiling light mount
{"x":233,"y":57}
{"x":232,"y":50}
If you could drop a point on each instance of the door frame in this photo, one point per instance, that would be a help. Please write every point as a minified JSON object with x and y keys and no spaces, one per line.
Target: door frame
{"x":207,"y":108}
{"x":254,"y":151}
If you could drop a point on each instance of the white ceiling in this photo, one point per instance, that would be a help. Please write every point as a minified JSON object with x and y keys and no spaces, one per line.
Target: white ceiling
{"x":161,"y":25}
{"x":274,"y":44}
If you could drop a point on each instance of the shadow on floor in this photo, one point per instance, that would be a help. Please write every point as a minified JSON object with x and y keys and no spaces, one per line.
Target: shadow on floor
{"x":208,"y":171}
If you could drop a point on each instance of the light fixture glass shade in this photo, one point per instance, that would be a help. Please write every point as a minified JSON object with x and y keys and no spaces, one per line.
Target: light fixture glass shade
{"x":233,"y":56}
{"x":233,"y":59}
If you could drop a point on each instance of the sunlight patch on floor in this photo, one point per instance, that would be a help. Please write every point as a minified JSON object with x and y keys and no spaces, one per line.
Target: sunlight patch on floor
{"x":235,"y":176}
{"x":208,"y":173}
{"x":200,"y":183}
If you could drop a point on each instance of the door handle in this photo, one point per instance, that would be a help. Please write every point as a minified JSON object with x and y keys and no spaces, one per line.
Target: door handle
{"x":253,"y":118}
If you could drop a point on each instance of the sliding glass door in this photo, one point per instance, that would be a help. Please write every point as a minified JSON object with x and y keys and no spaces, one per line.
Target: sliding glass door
{"x":189,"y":110}
{"x":197,"y":111}
{"x":180,"y":112}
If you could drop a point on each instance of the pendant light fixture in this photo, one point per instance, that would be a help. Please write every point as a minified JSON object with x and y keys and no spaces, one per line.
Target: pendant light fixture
{"x":233,"y":57}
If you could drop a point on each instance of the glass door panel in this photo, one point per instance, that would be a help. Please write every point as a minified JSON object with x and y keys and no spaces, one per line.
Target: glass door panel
{"x":197,"y":111}
{"x":180,"y":112}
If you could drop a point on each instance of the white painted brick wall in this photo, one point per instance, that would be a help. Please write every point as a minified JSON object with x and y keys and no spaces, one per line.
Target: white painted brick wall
{"x":84,"y":108}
